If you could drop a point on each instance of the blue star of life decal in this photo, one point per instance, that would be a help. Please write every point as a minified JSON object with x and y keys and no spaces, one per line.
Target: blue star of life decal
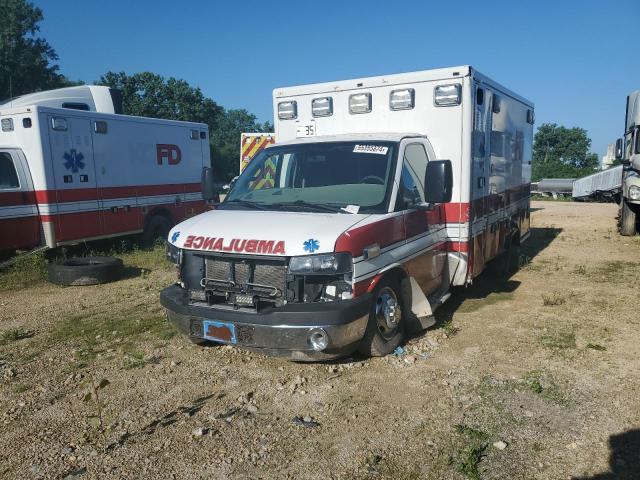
{"x":174,"y":237}
{"x":311,"y":245}
{"x":73,"y":160}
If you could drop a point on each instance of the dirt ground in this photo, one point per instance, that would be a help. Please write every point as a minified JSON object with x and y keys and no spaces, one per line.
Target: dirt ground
{"x":531,"y":378}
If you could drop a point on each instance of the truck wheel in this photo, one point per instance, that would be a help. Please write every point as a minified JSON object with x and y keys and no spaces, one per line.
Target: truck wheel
{"x":627,"y":219}
{"x":158,"y":227}
{"x":385,"y":329}
{"x":85,"y":270}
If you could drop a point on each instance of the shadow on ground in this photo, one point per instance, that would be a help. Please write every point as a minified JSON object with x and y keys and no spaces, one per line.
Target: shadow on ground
{"x":624,"y":458}
{"x":493,"y":280}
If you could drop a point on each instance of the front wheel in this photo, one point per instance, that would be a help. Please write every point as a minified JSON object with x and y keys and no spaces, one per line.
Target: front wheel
{"x":385,"y":329}
{"x":627,"y":219}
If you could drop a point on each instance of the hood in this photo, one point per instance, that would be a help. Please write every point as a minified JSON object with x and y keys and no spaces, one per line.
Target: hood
{"x":263,"y":232}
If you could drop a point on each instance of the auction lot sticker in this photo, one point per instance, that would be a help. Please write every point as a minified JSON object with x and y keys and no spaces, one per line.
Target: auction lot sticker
{"x":378,"y":149}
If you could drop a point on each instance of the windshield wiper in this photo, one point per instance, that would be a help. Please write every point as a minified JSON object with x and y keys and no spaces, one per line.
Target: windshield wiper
{"x":246,"y":203}
{"x":318,"y":207}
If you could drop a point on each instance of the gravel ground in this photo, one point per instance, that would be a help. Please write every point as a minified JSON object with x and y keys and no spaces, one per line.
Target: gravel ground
{"x":530,"y":378}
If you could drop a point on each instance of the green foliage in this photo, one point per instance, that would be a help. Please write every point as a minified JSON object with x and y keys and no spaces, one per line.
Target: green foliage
{"x":147,"y":94}
{"x":14,"y":335}
{"x":26,"y":61}
{"x":467,"y":459}
{"x":560,"y":152}
{"x":26,"y":271}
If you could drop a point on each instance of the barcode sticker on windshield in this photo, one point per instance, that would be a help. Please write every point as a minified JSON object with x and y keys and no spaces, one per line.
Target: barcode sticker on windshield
{"x":380,"y":150}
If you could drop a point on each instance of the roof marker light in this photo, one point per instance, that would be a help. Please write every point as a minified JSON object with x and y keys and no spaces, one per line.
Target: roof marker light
{"x":322,"y":107}
{"x":447,"y":95}
{"x":288,"y":110}
{"x":7,"y":124}
{"x":360,"y":103}
{"x":403,"y":99}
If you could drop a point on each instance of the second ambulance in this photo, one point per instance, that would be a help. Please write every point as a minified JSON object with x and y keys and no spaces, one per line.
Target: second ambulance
{"x":381,"y":194}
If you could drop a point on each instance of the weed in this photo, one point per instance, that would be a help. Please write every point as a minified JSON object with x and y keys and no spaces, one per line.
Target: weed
{"x":533,"y":382}
{"x":467,"y":458}
{"x":449,"y":328}
{"x":13,"y":335}
{"x":470,"y":433}
{"x":553,"y":300}
{"x":580,"y":270}
{"x":24,"y":272}
{"x":97,"y":420}
{"x":595,"y":346}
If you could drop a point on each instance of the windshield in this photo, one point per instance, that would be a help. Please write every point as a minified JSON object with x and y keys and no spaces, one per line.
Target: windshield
{"x":345,"y":177}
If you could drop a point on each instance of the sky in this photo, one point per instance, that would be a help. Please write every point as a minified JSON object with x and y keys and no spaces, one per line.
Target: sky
{"x":575,"y":59}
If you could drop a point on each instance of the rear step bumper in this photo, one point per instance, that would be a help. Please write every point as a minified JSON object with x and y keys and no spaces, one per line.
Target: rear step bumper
{"x":283,"y":331}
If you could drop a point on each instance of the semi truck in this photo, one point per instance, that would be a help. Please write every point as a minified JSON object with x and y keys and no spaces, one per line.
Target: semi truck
{"x":381,"y":194}
{"x":73,"y":168}
{"x":628,"y":152}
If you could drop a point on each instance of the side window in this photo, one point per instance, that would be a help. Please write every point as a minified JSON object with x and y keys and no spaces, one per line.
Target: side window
{"x":638,"y":140}
{"x":412,"y":179}
{"x":8,"y":174}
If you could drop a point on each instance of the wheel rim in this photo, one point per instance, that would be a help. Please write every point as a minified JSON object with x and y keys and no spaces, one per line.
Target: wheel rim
{"x":387,"y":312}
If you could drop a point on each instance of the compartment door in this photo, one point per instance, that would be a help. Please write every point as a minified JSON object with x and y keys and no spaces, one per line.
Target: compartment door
{"x":479,"y":175}
{"x":78,"y":210}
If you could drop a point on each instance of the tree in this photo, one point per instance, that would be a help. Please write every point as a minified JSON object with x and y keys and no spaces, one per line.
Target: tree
{"x":560,"y":152}
{"x":147,"y":94}
{"x":26,"y":61}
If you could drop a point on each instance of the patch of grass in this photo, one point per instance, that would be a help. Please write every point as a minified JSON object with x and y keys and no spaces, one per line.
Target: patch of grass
{"x":95,"y":333}
{"x":134,"y":360}
{"x":473,"y":304}
{"x":21,"y":387}
{"x":595,"y":346}
{"x":615,"y":271}
{"x":470,"y":433}
{"x":13,"y":335}
{"x":543,"y":384}
{"x":467,"y":459}
{"x":553,"y":300}
{"x":24,"y":272}
{"x":559,"y":340}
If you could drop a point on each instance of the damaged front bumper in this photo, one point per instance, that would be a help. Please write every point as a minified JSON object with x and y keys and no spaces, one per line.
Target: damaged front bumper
{"x":284,"y":331}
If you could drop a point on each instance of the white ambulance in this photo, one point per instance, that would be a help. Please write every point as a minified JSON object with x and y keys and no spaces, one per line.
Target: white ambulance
{"x":381,"y":194}
{"x":73,"y":169}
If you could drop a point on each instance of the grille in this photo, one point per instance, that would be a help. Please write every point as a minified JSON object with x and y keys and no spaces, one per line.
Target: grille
{"x":243,"y":274}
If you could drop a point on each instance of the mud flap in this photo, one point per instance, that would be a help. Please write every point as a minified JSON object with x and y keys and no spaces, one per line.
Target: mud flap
{"x":420,"y":315}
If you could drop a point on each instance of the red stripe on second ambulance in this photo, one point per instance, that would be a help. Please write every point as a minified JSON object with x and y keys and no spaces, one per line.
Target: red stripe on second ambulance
{"x":79,"y":225}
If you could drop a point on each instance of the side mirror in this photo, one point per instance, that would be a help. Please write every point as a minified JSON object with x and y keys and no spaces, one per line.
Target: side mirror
{"x":209,"y":191}
{"x":438,"y":182}
{"x":619,"y":148}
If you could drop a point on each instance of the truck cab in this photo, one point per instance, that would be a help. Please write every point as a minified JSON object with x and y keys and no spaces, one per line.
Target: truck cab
{"x":628,"y":151}
{"x":290,"y":262}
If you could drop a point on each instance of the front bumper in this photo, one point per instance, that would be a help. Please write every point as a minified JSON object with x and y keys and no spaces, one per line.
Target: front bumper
{"x":280,"y":331}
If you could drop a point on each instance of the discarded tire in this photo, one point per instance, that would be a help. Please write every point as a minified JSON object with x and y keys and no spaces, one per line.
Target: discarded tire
{"x":85,"y":270}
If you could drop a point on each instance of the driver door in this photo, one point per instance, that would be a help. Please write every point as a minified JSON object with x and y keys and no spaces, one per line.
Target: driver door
{"x":425,"y":231}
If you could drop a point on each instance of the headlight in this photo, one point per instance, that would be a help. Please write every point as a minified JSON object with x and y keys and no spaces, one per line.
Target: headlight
{"x":634,"y":192}
{"x":324,"y":264}
{"x":174,"y":254}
